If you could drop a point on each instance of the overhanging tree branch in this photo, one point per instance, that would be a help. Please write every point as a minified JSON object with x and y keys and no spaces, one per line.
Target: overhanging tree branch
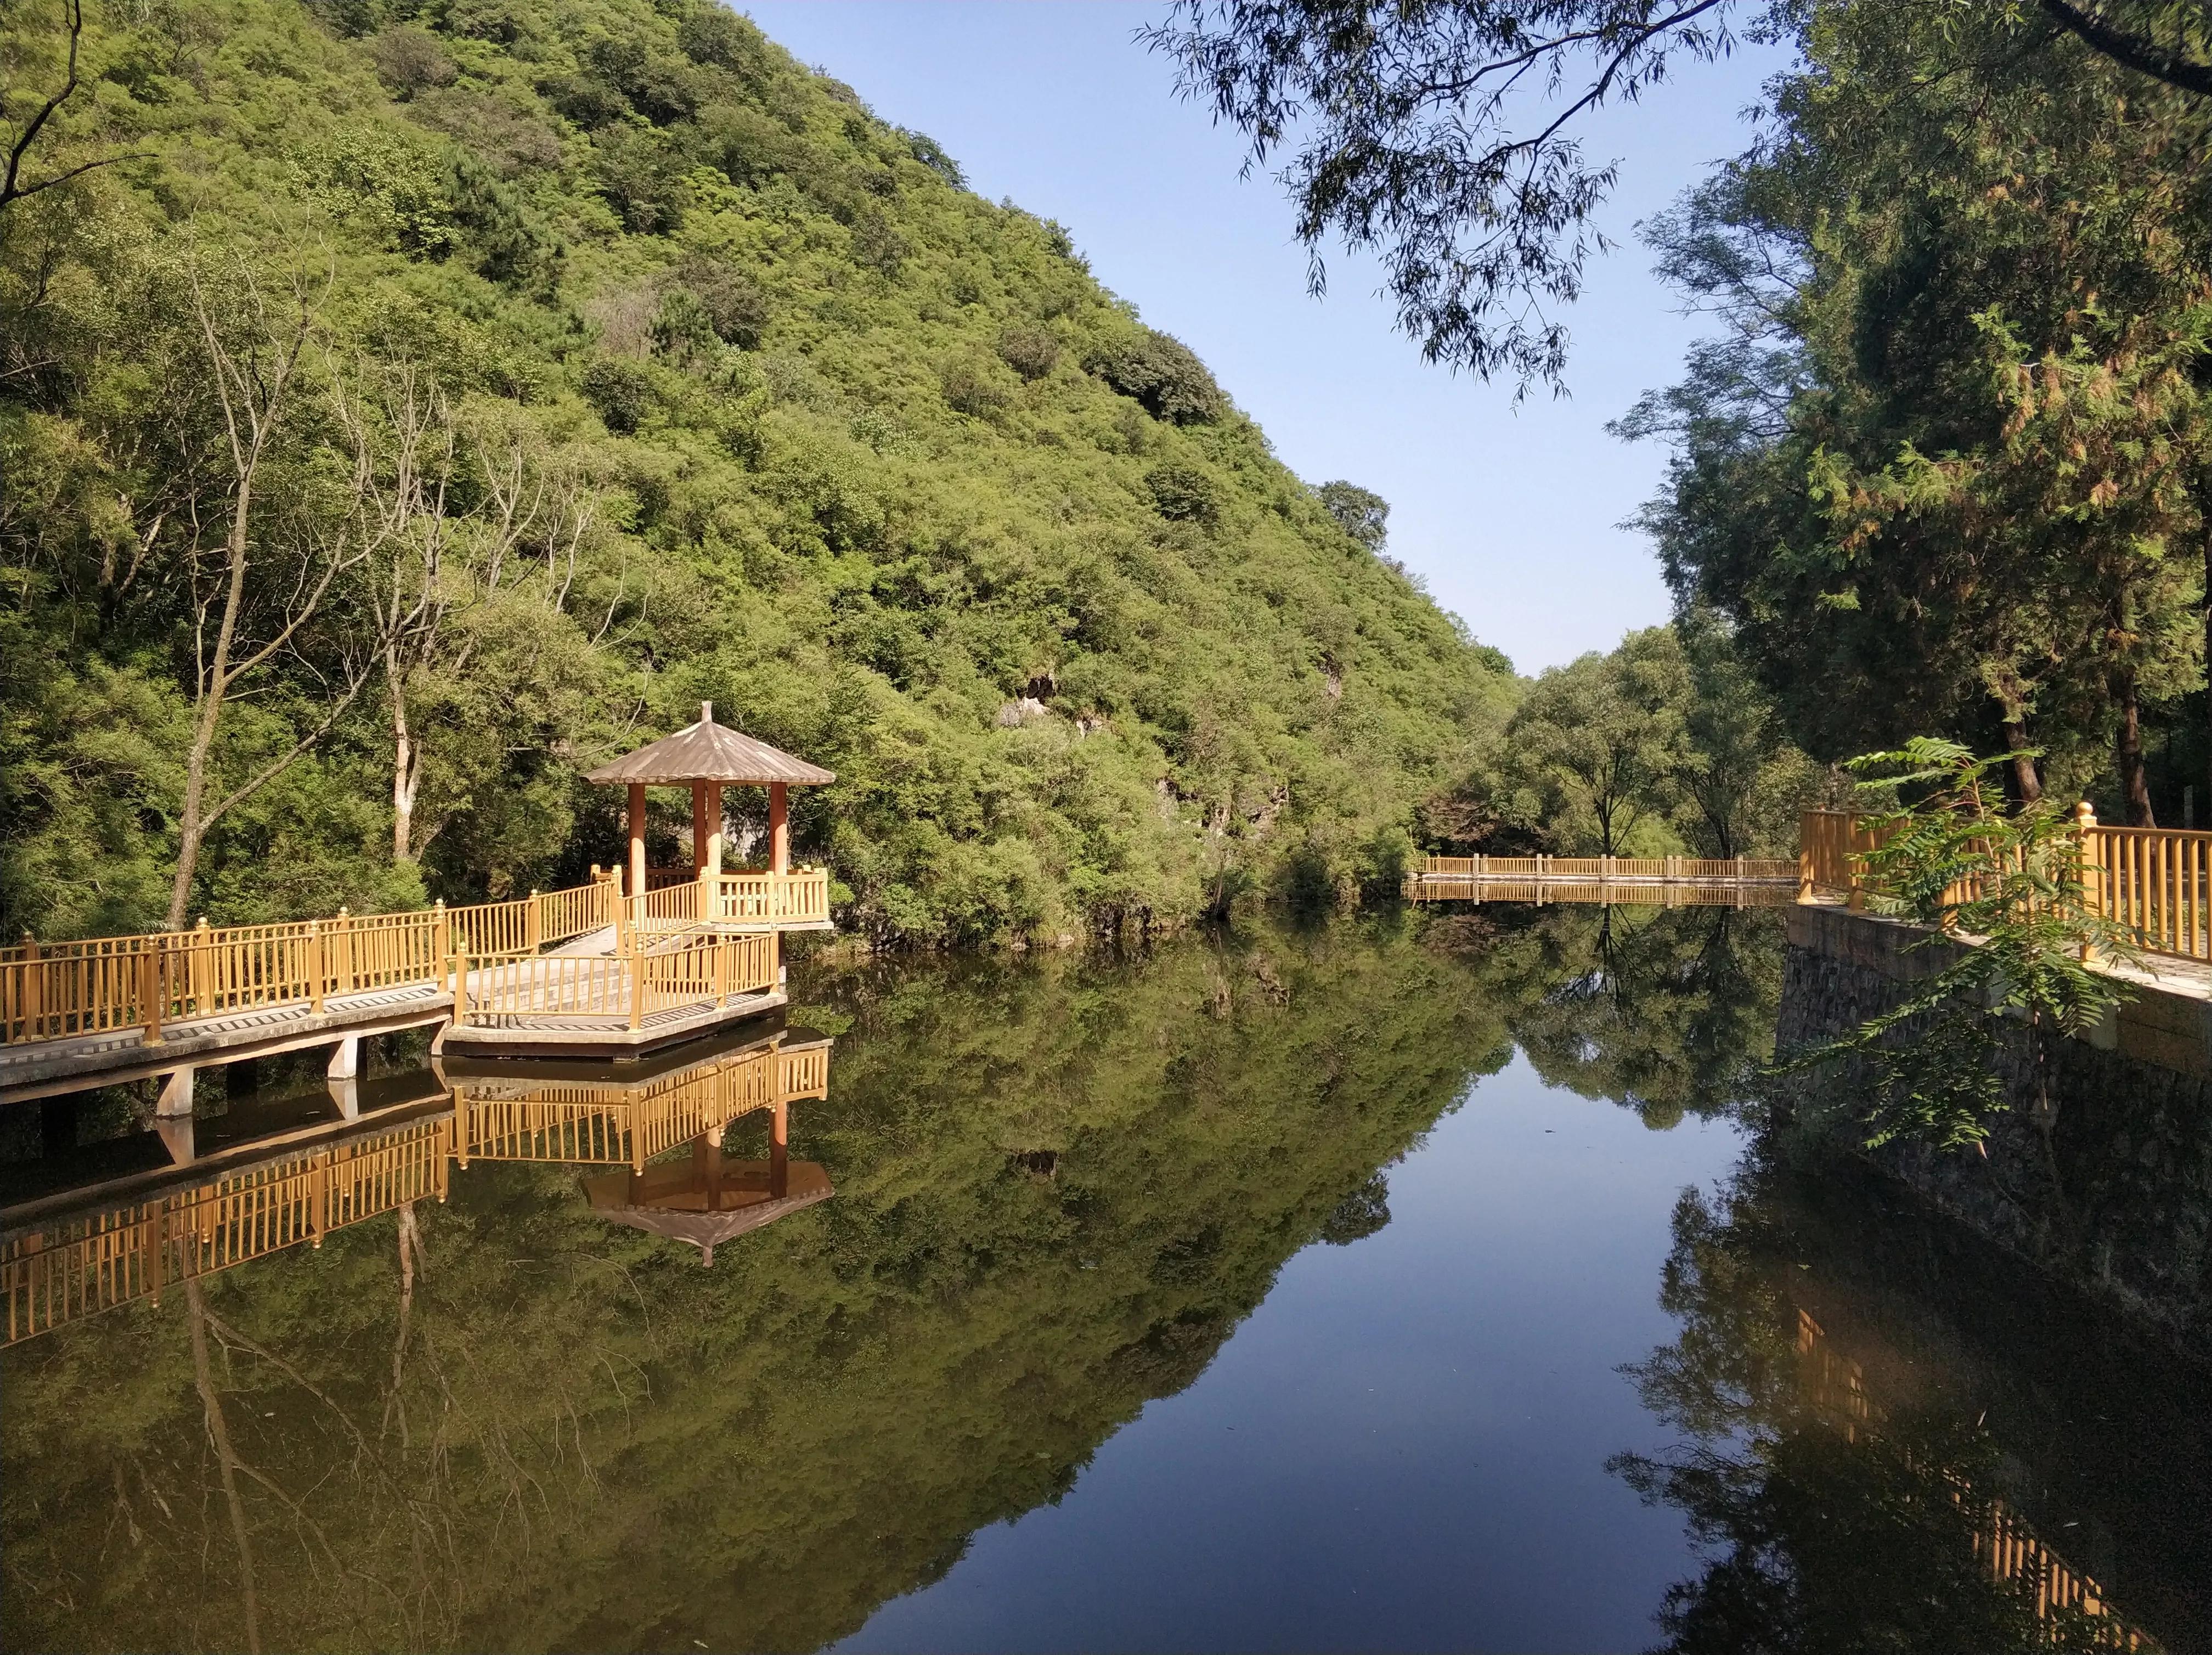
{"x":12,"y":187}
{"x":2132,"y":51}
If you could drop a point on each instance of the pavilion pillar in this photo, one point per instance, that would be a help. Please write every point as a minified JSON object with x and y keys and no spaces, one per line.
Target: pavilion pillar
{"x":698,"y":828}
{"x":637,"y":839}
{"x":713,"y":862}
{"x":778,"y":827}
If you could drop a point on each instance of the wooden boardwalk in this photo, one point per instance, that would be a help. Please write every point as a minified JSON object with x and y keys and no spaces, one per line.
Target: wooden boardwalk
{"x":567,"y":971}
{"x":1666,"y":881}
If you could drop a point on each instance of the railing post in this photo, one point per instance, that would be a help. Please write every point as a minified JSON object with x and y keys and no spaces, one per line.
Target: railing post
{"x":721,"y":975}
{"x":709,"y":885}
{"x":534,"y":922}
{"x":345,"y":970}
{"x":636,"y":966}
{"x":445,"y":939}
{"x":34,"y":989}
{"x":199,"y":967}
{"x":2092,"y":869}
{"x":149,"y":992}
{"x":460,"y":988}
{"x":316,"y":963}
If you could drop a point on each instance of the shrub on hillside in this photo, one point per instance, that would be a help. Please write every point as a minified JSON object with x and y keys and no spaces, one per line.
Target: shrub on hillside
{"x":1184,"y":494}
{"x":713,"y":34}
{"x":621,"y":392}
{"x":409,"y":60}
{"x":1030,"y":351}
{"x":973,"y":385}
{"x":735,"y":308}
{"x":1163,"y":374}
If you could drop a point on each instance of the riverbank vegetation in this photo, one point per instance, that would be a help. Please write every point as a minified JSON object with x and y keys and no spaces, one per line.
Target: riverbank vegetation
{"x":404,"y":409}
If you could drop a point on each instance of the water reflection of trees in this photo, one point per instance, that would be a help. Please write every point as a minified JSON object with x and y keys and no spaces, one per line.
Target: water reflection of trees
{"x":1662,"y":1010}
{"x":1832,"y":1518}
{"x":503,"y":1422}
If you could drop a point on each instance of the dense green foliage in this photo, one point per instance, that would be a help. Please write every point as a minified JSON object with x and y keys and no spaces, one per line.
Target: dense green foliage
{"x":1948,"y":466}
{"x":1667,"y":744}
{"x":579,"y":1439}
{"x":422,"y":405}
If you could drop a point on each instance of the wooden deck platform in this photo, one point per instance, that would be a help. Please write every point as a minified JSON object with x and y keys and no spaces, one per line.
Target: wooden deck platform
{"x":610,"y":1038}
{"x":45,"y":1068}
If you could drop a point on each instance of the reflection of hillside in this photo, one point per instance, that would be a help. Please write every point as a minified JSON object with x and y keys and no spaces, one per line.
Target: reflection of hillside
{"x":558,"y":1436}
{"x":1892,"y":1486}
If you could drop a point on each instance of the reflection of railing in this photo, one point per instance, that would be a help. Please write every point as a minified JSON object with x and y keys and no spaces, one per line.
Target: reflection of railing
{"x":54,"y":990}
{"x":88,"y":1262}
{"x":2156,"y":882}
{"x":592,"y":1121}
{"x":1836,"y":1387}
{"x":84,"y":1265}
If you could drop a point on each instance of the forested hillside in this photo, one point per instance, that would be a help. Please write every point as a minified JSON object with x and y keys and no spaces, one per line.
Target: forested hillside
{"x":411,"y":406}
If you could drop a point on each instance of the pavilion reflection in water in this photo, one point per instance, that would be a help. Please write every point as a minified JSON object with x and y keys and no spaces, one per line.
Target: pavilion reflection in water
{"x":74,"y":1254}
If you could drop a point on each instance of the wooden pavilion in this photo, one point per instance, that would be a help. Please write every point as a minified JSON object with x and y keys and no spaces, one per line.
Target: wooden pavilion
{"x":707,"y":758}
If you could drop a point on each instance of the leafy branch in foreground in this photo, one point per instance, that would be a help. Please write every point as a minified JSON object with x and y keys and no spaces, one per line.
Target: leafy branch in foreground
{"x":2011,"y":887}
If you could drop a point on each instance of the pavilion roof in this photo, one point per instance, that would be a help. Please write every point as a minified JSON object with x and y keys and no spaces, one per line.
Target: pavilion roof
{"x":707,"y":751}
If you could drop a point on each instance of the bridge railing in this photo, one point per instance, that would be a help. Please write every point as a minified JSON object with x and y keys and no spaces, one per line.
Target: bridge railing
{"x":50,"y":991}
{"x":1603,"y":870}
{"x":614,"y":990}
{"x":2155,"y":882}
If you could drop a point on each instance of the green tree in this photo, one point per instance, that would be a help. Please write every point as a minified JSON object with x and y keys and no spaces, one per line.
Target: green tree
{"x":1595,"y":746}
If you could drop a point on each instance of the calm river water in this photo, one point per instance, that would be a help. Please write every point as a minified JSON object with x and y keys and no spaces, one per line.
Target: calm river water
{"x":1421,"y":1283}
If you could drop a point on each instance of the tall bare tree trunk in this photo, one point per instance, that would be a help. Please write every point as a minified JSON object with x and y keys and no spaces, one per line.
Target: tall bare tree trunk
{"x":406,"y":765}
{"x":2134,"y":784}
{"x":215,"y":684}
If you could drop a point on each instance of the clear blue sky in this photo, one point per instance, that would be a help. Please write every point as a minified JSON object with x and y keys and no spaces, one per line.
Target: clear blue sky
{"x":1511,"y":516}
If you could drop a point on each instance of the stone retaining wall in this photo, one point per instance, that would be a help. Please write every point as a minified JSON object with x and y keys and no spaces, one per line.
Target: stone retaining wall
{"x":2115,"y":1197}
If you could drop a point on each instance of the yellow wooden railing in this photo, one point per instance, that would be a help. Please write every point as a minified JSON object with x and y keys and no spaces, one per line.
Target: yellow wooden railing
{"x":618,"y":990}
{"x":50,"y":991}
{"x":2155,"y":882}
{"x":1605,"y":869}
{"x":798,"y":898}
{"x":56,"y":990}
{"x":76,"y":1268}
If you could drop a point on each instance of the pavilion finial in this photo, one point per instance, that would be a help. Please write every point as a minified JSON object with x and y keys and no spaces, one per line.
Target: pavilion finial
{"x":706,"y":712}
